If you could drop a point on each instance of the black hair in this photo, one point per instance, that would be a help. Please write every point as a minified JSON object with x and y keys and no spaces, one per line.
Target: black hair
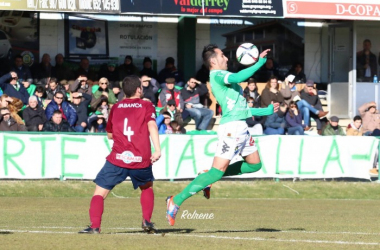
{"x":167,"y":113}
{"x":208,"y":53}
{"x":357,"y":117}
{"x":40,"y":89}
{"x":18,"y":56}
{"x":130,"y":85}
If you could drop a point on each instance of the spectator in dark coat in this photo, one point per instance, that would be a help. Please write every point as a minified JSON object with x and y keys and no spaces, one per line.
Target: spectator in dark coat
{"x":294,"y":120}
{"x":127,"y":68}
{"x":85,"y":70}
{"x":268,"y":70}
{"x":150,"y":88}
{"x":251,"y":91}
{"x":111,"y":72}
{"x":147,"y":69}
{"x":54,"y":87}
{"x":34,"y":115}
{"x":61,"y":71}
{"x":43,"y":69}
{"x":22,"y":71}
{"x":170,"y":71}
{"x":68,"y":112}
{"x":14,"y":88}
{"x":81,"y":108}
{"x":8,"y":123}
{"x":57,"y":124}
{"x":297,"y":71}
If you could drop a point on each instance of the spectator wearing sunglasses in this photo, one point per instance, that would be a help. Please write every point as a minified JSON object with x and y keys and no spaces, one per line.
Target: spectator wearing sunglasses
{"x":105,"y":91}
{"x":191,"y":95}
{"x":10,"y":85}
{"x":58,"y":103}
{"x":8,"y":123}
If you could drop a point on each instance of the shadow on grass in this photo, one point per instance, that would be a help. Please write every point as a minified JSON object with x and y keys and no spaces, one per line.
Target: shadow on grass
{"x":6,"y":232}
{"x":161,"y":231}
{"x":243,"y":231}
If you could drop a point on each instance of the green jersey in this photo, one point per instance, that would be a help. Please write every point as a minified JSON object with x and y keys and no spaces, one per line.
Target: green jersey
{"x":229,"y":94}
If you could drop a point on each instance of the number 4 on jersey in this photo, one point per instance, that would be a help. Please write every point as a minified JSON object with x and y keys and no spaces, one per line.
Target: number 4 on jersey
{"x":127,"y":130}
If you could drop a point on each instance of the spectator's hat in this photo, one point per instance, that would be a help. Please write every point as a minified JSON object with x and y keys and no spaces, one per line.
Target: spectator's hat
{"x":128,"y":57}
{"x":147,"y":59}
{"x":111,"y":64}
{"x":170,"y":80}
{"x":250,"y":80}
{"x":171,"y":102}
{"x":310,"y":83}
{"x":334,"y":119}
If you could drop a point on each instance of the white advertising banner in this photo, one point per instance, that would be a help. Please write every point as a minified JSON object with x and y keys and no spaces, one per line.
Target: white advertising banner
{"x":137,"y":39}
{"x":36,"y":156}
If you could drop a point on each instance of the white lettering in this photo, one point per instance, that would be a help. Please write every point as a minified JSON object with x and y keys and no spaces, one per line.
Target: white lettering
{"x":62,"y":4}
{"x":369,"y":9}
{"x":97,"y":5}
{"x":129,"y":105}
{"x":376,"y":12}
{"x":71,"y":5}
{"x":357,"y":10}
{"x":339,"y":9}
{"x":53,"y":4}
{"x":196,"y":216}
{"x":106,"y":5}
{"x":360,"y":10}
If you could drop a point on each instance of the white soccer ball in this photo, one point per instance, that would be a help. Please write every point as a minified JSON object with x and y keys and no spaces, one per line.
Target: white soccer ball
{"x":247,"y":54}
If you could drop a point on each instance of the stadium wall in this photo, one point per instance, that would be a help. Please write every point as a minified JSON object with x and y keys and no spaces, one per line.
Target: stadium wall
{"x":69,"y":156}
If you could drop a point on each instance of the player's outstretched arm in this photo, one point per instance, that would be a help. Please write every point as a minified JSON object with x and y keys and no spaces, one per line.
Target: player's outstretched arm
{"x":153,"y":131}
{"x":262,"y":111}
{"x":248,"y":72}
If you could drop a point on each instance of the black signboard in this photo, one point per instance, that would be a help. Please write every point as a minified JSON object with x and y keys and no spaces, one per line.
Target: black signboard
{"x":257,"y":8}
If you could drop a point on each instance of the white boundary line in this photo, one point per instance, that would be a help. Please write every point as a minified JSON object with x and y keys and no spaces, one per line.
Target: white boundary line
{"x":195,"y":235}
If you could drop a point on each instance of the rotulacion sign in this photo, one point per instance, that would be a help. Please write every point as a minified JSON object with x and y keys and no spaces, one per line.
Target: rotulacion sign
{"x":327,"y":9}
{"x":36,"y":156}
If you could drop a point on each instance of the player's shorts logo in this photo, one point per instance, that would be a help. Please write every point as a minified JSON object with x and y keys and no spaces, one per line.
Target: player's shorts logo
{"x":128,"y":157}
{"x":225,"y":147}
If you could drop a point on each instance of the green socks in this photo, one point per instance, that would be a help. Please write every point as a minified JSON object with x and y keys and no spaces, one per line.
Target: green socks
{"x":213,"y":175}
{"x":199,"y":183}
{"x":242,"y":167}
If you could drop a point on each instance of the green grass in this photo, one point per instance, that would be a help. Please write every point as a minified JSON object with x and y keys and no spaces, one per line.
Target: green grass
{"x":247,"y":215}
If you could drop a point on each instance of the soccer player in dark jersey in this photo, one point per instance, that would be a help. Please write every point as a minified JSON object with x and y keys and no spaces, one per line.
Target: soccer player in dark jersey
{"x":130,"y":123}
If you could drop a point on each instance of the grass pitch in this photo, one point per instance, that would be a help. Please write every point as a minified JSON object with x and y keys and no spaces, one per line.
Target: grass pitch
{"x":247,"y":215}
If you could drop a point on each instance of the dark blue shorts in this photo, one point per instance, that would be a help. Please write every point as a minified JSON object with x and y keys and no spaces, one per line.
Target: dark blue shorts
{"x":111,"y":175}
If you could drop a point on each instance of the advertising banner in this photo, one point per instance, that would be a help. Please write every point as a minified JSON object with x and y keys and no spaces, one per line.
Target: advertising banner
{"x":91,"y":6}
{"x":137,"y":39}
{"x":326,"y":9}
{"x":36,"y":156}
{"x":259,"y":8}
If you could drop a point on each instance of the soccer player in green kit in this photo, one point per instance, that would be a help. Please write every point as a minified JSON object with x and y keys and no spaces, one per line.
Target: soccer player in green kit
{"x":233,"y":136}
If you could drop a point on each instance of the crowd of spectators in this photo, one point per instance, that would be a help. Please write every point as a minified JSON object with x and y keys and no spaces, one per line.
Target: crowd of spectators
{"x":57,"y":98}
{"x":62,"y":99}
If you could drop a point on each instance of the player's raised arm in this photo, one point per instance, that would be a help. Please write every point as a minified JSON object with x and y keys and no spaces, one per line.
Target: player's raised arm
{"x":153,"y":131}
{"x":248,"y":72}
